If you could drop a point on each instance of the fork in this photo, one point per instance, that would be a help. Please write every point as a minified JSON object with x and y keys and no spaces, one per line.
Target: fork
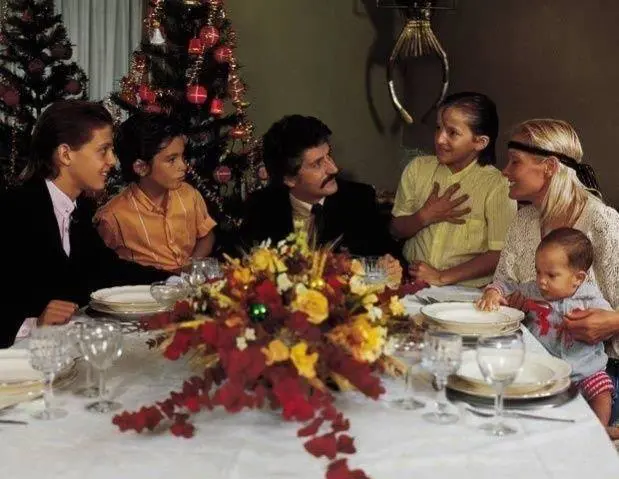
{"x":12,"y":421}
{"x":518,"y":414}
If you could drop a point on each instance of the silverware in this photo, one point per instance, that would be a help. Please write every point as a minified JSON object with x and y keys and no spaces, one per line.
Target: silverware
{"x":12,"y":421}
{"x":518,"y":414}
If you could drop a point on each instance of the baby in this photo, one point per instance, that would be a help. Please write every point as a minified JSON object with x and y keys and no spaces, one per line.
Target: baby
{"x":562,"y":260}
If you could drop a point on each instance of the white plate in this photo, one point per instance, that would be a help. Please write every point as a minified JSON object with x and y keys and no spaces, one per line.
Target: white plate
{"x":135,"y":314}
{"x":538,"y":371}
{"x":126,"y":298}
{"x":552,"y":389}
{"x":15,"y":367}
{"x":468,"y":314}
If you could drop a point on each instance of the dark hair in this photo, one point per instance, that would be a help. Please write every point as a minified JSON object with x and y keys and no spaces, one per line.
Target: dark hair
{"x":483,"y":119}
{"x":576,"y":245}
{"x":284,"y":143}
{"x":70,"y":122}
{"x":141,"y":137}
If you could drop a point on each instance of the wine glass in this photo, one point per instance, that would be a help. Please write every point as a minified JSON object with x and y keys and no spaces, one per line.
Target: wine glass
{"x":50,"y":352}
{"x":101,"y":345}
{"x":407,"y":347}
{"x":90,"y":389}
{"x":442,"y":354}
{"x":500,"y":359}
{"x":167,"y":293}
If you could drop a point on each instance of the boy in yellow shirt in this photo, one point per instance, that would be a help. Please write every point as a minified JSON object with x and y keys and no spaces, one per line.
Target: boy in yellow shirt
{"x":158,"y":219}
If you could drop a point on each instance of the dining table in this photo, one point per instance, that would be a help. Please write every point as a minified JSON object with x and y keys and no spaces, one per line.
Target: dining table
{"x":391,"y":442}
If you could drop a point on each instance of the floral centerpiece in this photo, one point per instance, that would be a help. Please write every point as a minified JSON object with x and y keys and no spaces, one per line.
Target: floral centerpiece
{"x":286,"y":327}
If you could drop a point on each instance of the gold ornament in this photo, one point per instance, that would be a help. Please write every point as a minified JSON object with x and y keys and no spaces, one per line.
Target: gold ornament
{"x":317,"y":283}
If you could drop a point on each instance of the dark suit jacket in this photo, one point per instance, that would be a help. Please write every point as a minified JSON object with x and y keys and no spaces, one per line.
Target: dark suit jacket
{"x":351,"y":212}
{"x":38,"y":268}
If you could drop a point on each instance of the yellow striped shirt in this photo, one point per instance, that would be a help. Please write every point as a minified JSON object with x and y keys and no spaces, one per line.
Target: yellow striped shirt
{"x":445,"y":245}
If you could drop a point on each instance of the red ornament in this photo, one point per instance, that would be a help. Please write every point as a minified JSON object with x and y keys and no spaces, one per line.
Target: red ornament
{"x":196,"y":94}
{"x":195,"y":46}
{"x":36,"y":66}
{"x":73,"y":87}
{"x":222,"y":174}
{"x":223,"y":54}
{"x":209,"y":36}
{"x":153,"y":108}
{"x":11,"y":97}
{"x":263,"y":174}
{"x":146,"y":94}
{"x":217,"y":106}
{"x":238,"y":132}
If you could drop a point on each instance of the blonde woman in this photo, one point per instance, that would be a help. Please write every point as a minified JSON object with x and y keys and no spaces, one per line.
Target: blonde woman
{"x":545,"y":168}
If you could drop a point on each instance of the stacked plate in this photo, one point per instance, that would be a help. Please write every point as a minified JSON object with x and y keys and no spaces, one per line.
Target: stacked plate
{"x":542,"y":375}
{"x":19,"y":382}
{"x":465,"y":319}
{"x":126,"y":301}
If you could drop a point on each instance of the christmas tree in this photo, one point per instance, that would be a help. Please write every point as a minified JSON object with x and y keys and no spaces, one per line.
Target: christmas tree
{"x":187,"y":69}
{"x":35,"y":70}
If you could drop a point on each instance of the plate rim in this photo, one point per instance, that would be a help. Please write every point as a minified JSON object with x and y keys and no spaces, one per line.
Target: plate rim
{"x":426,"y":310}
{"x":551,"y":389}
{"x":96,"y":295}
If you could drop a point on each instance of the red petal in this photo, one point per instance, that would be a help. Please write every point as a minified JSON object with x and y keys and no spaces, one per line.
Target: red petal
{"x":311,"y":428}
{"x":325,"y":445}
{"x":345,"y":444}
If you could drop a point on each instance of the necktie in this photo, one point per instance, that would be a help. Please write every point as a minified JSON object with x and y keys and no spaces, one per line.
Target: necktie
{"x":319,"y":221}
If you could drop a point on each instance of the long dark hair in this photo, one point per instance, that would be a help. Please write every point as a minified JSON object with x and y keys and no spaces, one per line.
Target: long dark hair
{"x":483,"y":119}
{"x":68,"y":122}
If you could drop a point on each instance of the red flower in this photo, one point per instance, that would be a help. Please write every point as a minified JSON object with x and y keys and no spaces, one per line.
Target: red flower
{"x":345,"y":444}
{"x":325,"y":445}
{"x":311,"y":428}
{"x":192,"y":403}
{"x":298,"y":323}
{"x":231,"y":396}
{"x":339,"y":470}
{"x":208,"y":333}
{"x":182,"y":429}
{"x":243,"y":366}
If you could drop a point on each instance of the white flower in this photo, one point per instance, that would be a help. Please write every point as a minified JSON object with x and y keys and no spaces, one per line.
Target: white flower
{"x":241,"y":343}
{"x":266,"y":244}
{"x":281,"y":243}
{"x":283,"y":283}
{"x":357,"y":285}
{"x":250,"y":335}
{"x":300,"y":289}
{"x":374,"y":313}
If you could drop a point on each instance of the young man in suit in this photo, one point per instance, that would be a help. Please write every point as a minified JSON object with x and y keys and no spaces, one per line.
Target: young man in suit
{"x":55,"y":256}
{"x":304,"y":187}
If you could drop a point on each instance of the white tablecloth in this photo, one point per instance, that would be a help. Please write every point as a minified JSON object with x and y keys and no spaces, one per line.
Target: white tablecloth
{"x":257,"y":444}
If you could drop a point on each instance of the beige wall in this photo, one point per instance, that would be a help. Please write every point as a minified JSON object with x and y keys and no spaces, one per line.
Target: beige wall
{"x":536,"y":58}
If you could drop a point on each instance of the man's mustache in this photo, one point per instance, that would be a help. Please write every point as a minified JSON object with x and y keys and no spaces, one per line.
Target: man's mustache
{"x":327,"y":179}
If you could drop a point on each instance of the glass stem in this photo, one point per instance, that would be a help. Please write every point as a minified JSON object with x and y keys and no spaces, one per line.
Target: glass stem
{"x":88,"y":375}
{"x":102,"y":392}
{"x":498,"y":407}
{"x":48,"y":390}
{"x":441,"y":395}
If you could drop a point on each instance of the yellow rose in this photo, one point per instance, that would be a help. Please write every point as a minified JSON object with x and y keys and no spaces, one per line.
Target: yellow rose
{"x":276,"y":352}
{"x":357,"y":268}
{"x":264,"y":259}
{"x":243,"y":275}
{"x":313,"y":303}
{"x":396,"y":307}
{"x":305,"y":363}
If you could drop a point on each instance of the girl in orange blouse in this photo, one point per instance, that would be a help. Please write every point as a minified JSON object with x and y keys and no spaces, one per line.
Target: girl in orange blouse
{"x":158,"y":220}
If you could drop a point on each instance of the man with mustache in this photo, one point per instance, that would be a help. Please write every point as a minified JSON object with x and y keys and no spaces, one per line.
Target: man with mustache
{"x":304,"y":188}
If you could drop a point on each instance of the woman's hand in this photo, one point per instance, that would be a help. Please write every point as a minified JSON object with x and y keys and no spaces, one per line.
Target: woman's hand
{"x":393,"y":269}
{"x":420,"y":271}
{"x":591,"y":325}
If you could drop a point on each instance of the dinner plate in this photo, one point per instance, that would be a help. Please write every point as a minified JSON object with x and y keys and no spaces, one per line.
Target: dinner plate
{"x":464,"y":318}
{"x":126,"y":299}
{"x":485,"y":391}
{"x":539,"y":371}
{"x":441,"y":294}
{"x":19,"y":378}
{"x":131,"y":314}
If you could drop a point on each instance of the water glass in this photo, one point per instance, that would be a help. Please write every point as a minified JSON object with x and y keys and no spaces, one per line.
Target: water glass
{"x":101,"y":345}
{"x":375,"y":271}
{"x":500,"y":359}
{"x":408,"y":348}
{"x":442,"y":354}
{"x":50,"y":352}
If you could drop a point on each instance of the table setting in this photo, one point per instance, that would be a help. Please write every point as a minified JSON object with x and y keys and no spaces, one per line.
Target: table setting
{"x":476,"y":396}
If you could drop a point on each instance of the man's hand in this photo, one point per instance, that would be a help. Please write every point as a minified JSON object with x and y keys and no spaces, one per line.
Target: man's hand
{"x":437,"y":208}
{"x":591,"y":325}
{"x":57,"y":312}
{"x":420,"y":271}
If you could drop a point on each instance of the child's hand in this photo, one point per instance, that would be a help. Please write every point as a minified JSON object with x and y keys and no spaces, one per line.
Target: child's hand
{"x":491,"y":300}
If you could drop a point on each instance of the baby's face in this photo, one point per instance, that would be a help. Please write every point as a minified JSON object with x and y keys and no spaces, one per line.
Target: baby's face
{"x":555,"y":278}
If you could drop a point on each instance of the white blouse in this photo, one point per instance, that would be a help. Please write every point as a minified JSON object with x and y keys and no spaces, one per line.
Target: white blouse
{"x":601,"y":225}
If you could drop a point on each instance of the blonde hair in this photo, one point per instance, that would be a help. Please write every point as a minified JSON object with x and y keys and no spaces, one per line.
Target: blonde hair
{"x":566,"y":196}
